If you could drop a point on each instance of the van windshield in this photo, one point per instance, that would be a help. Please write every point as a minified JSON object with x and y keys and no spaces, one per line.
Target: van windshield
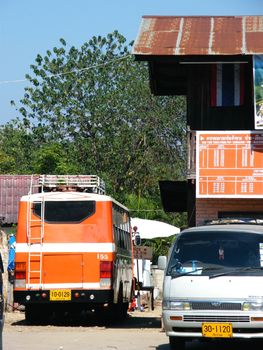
{"x":217,"y":250}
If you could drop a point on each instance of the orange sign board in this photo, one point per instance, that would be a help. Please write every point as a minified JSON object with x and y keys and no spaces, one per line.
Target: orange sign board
{"x":229,"y":164}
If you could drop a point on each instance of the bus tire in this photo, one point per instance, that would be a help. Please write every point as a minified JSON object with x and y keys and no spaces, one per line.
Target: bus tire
{"x":31,"y":314}
{"x":121,"y":307}
{"x":37,"y":314}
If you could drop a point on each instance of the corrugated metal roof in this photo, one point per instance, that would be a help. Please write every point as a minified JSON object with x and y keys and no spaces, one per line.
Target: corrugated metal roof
{"x":199,"y":35}
{"x":12,"y":188}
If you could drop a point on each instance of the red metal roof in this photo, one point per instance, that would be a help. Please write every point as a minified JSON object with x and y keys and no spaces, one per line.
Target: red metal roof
{"x":199,"y":35}
{"x":12,"y":188}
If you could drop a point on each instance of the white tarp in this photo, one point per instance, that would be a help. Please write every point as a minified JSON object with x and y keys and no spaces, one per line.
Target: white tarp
{"x":149,"y":229}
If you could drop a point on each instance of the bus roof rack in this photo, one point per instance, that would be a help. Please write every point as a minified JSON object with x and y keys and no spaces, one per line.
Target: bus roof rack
{"x":235,"y":220}
{"x":86,"y":183}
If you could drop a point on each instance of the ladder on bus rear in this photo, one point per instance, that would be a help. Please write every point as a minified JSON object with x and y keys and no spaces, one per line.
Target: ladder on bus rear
{"x":35,"y":235}
{"x":35,"y":226}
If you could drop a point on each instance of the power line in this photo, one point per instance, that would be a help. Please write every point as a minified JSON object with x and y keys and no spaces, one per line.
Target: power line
{"x":145,"y":209}
{"x":69,"y":72}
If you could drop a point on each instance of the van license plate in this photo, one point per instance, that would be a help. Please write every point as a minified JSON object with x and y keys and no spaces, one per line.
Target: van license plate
{"x":217,"y":330}
{"x":60,"y":294}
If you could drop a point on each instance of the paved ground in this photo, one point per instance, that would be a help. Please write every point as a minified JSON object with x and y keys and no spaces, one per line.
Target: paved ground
{"x":141,"y":330}
{"x":17,"y":318}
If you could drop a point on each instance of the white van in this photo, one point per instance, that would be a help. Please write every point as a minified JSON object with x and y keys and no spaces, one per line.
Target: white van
{"x":213,"y":284}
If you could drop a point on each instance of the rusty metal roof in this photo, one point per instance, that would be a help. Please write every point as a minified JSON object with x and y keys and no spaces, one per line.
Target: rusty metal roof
{"x":12,"y":188}
{"x":199,"y":35}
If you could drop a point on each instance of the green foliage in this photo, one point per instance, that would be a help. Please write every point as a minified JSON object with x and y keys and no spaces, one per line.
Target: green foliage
{"x":15,"y":148}
{"x":7,"y":164}
{"x":160,"y":246}
{"x":151,"y":208}
{"x":258,"y":93}
{"x":89,"y":110}
{"x":148,"y":208}
{"x":53,"y":159}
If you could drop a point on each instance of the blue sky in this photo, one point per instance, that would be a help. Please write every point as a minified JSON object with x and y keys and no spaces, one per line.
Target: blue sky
{"x":29,"y":27}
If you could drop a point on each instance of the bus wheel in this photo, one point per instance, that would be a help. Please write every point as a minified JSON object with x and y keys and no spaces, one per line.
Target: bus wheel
{"x":31,"y":314}
{"x":123,"y":312}
{"x":37,"y":314}
{"x":121,"y":307}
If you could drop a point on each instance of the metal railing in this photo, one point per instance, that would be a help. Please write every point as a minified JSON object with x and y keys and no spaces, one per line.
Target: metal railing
{"x":85,"y":182}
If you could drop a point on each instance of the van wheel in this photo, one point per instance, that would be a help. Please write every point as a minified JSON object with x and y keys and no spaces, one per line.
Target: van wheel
{"x":176,"y":343}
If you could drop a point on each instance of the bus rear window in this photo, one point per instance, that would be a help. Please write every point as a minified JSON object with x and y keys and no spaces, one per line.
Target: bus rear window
{"x":65,"y":211}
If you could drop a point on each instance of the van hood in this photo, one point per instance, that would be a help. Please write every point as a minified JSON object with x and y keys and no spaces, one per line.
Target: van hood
{"x":201,"y":287}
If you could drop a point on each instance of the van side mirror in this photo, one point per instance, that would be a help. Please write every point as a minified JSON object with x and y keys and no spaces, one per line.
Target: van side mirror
{"x":162,"y":262}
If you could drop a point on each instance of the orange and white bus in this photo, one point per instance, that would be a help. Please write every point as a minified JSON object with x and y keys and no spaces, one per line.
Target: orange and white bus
{"x":73,"y":249}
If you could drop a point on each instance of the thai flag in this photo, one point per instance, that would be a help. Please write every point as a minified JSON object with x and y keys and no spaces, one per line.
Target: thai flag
{"x":227,"y":85}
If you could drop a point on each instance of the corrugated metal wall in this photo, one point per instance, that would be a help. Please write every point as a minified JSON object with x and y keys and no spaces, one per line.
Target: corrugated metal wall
{"x":12,"y":188}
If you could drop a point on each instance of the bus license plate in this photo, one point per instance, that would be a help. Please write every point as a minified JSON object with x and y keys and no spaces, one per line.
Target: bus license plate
{"x":60,"y":294}
{"x":217,"y":330}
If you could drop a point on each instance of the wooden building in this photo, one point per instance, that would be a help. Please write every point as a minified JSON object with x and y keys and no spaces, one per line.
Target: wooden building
{"x":216,"y":62}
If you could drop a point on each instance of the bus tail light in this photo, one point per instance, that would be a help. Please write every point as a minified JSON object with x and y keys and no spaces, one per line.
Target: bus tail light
{"x":105,"y":274}
{"x":20,"y":275}
{"x":105,"y":269}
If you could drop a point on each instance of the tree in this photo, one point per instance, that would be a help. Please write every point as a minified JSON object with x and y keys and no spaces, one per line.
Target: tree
{"x":15,"y":148}
{"x":93,"y":107}
{"x":148,"y":208}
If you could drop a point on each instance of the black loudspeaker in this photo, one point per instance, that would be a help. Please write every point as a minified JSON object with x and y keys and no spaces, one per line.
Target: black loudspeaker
{"x":174,"y":196}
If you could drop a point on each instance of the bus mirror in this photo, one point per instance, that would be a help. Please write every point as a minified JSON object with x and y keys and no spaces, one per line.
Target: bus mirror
{"x":137,"y":239}
{"x":162,"y":262}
